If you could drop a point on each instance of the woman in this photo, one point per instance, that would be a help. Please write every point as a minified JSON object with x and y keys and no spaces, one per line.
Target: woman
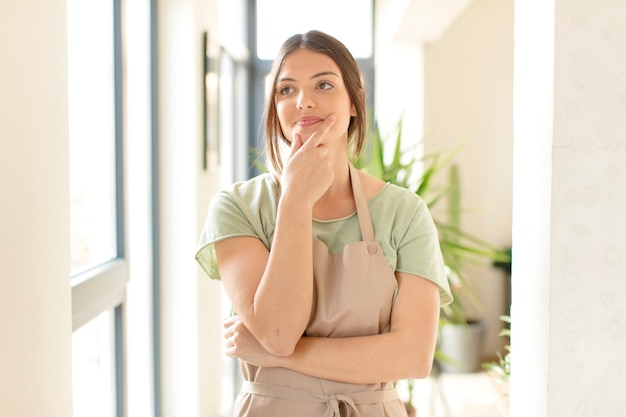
{"x":336,"y":277}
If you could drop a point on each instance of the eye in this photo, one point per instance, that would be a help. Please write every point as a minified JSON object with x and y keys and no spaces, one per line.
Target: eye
{"x":283,"y":91}
{"x":324,"y":85}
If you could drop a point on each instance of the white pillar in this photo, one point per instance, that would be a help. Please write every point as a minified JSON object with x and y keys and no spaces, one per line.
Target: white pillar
{"x":35,"y":294}
{"x":190,"y":304}
{"x":569,"y":251}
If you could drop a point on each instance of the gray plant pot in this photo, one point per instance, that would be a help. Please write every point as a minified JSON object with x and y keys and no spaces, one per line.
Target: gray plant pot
{"x":462,"y":344}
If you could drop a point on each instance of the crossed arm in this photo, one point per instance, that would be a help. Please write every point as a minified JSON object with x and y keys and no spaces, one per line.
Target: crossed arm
{"x":272,"y":317}
{"x":272,"y":292}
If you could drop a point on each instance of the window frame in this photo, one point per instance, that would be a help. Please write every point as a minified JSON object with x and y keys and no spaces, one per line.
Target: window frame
{"x":103,"y":287}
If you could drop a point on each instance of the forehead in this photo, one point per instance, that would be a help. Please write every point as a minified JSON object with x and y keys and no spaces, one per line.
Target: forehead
{"x":303,"y":63}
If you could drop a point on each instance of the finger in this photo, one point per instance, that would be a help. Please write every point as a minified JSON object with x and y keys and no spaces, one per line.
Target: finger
{"x":228,"y":332}
{"x":229,"y":321}
{"x":316,"y":137}
{"x":229,"y":351}
{"x":296,"y":144}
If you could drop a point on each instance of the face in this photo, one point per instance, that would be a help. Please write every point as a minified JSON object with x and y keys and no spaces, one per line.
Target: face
{"x":309,"y":88}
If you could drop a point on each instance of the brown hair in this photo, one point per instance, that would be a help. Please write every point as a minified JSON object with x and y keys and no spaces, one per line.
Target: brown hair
{"x":323,"y":43}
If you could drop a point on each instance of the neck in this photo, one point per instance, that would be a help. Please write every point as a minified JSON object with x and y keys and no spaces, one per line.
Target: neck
{"x":338,"y":201}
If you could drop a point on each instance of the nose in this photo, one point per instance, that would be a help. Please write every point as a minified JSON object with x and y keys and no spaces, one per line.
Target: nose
{"x":305,"y":101}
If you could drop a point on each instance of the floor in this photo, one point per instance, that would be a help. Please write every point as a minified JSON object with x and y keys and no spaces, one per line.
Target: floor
{"x":460,"y":395}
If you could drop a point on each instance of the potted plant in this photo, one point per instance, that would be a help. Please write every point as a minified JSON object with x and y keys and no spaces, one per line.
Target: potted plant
{"x":460,"y":337}
{"x":458,"y":247}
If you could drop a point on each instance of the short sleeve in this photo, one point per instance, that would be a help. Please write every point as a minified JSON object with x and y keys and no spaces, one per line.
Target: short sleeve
{"x":244,"y":210}
{"x":417,"y":246}
{"x":427,"y":263}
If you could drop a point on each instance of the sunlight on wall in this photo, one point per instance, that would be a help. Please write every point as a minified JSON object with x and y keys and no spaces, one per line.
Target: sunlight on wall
{"x":533,"y":130}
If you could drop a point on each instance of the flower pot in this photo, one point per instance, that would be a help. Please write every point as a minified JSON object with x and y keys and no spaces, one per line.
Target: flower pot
{"x":461,"y":346}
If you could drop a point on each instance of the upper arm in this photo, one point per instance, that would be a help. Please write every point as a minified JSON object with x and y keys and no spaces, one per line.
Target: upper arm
{"x":241,"y":262}
{"x":416,"y":314}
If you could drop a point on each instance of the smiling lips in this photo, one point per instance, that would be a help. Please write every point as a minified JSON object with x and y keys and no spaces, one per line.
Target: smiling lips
{"x":307,"y":121}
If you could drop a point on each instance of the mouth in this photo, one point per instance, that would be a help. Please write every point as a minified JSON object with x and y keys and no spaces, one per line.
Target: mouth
{"x":307,"y":121}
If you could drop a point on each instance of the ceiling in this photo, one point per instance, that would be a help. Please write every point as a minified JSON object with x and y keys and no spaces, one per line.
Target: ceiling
{"x":421,"y":21}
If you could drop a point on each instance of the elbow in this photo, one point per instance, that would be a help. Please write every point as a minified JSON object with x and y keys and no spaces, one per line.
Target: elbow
{"x":420,"y":363}
{"x":281,"y":350}
{"x":276,"y":338}
{"x":421,"y":369}
{"x":420,"y":356}
{"x":280,"y":345}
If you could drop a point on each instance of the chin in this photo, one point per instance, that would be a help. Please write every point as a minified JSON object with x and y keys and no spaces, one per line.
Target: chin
{"x":304,"y":134}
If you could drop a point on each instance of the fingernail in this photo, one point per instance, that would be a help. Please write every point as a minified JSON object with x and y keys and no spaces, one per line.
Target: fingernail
{"x":332,"y":117}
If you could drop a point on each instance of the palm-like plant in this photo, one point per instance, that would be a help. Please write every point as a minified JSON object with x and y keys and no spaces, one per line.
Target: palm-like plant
{"x":457,"y":246}
{"x":502,"y":367}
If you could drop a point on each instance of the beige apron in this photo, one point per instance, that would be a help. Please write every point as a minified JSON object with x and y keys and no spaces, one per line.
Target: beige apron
{"x":353,"y":296}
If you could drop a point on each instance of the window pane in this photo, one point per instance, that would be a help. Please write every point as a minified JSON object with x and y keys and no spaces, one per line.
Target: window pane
{"x":350,"y":21}
{"x":93,"y":366}
{"x":91,"y":98}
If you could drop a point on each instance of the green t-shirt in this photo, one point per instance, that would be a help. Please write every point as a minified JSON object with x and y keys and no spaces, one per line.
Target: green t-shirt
{"x":402,"y":224}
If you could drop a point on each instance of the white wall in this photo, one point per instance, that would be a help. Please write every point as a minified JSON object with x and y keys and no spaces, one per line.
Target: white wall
{"x":190,"y":304}
{"x":469,"y":99}
{"x":399,"y":80}
{"x":569,"y":291}
{"x":35,"y":306}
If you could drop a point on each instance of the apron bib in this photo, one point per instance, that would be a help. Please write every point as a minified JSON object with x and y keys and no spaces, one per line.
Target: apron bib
{"x":353,"y":295}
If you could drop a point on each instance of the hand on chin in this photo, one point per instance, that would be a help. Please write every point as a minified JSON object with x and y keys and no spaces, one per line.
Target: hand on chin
{"x":304,"y":134}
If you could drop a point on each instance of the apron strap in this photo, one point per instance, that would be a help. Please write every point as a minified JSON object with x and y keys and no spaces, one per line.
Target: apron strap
{"x":362,"y":209}
{"x":333,"y":402}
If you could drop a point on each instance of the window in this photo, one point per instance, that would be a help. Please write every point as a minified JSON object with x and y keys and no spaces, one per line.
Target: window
{"x":93,"y":372}
{"x":349,"y":21}
{"x":99,"y":270}
{"x":91,"y":96}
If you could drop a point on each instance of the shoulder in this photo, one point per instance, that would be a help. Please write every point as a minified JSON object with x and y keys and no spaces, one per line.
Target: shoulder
{"x":246,"y":208}
{"x":261,"y":188}
{"x":388,"y":194}
{"x":403,"y":196}
{"x":371,"y":184}
{"x":261,"y":184}
{"x":254,"y":200}
{"x":401,"y":209}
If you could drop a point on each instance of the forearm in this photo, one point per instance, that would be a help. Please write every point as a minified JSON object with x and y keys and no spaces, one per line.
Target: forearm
{"x":273,"y":291}
{"x":363,"y":359}
{"x":282,"y":303}
{"x":407,"y":351}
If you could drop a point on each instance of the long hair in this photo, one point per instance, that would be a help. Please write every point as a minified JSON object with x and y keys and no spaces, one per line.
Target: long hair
{"x":321,"y":42}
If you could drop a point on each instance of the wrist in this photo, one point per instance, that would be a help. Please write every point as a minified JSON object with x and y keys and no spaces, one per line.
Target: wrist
{"x":293,"y":204}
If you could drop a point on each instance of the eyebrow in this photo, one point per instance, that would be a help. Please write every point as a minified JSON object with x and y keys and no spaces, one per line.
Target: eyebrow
{"x":319,"y":74}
